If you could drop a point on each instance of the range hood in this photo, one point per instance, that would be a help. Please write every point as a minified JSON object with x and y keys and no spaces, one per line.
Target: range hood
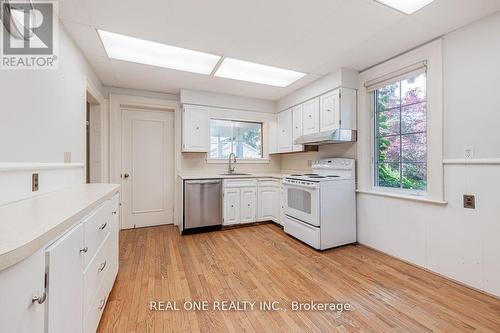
{"x":327,"y":137}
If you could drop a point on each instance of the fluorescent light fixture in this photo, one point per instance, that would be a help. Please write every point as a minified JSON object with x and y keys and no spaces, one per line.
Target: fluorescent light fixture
{"x":251,"y":72}
{"x":142,"y":51}
{"x":406,"y":6}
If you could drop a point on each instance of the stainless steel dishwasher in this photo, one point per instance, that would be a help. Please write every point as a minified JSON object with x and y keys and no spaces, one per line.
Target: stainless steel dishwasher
{"x":202,"y":205}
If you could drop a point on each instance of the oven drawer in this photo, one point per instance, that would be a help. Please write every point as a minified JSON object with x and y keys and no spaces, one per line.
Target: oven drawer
{"x":303,"y":231}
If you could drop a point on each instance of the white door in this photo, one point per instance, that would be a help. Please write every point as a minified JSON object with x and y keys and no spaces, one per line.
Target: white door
{"x":65,"y":283}
{"x":147,"y":168}
{"x":285,"y":131}
{"x":297,"y":127}
{"x":310,"y":117}
{"x":231,"y":206}
{"x":247,"y":205}
{"x":195,"y":129}
{"x":269,"y":204}
{"x":330,"y":111}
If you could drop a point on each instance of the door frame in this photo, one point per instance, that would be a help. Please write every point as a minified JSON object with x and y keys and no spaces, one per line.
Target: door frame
{"x":98,"y":104}
{"x":116,"y":105}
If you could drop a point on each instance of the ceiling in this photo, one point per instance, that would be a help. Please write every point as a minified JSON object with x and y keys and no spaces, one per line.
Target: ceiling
{"x":313,"y":36}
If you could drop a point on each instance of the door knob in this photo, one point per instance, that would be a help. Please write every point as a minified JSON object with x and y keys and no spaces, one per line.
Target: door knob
{"x":39,"y":299}
{"x":126,"y":175}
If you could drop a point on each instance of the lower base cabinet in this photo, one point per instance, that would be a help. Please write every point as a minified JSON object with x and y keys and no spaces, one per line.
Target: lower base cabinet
{"x":64,"y":287}
{"x":252,"y":200}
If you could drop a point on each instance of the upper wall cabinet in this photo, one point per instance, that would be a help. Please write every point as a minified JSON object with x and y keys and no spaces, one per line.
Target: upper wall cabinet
{"x":195,"y":130}
{"x":310,"y":116}
{"x":329,"y":111}
{"x":297,"y":128}
{"x":285,"y":142}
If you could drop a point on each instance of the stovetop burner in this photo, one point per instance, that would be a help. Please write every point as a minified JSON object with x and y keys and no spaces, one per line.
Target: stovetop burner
{"x":311,"y":174}
{"x":317,"y":176}
{"x":333,"y":176}
{"x":295,"y":175}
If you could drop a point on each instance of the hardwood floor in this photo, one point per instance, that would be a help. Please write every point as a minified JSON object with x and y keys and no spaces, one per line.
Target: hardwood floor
{"x":262,"y":263}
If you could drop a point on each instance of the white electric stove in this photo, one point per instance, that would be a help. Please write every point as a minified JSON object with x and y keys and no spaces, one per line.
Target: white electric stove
{"x":320,"y":207}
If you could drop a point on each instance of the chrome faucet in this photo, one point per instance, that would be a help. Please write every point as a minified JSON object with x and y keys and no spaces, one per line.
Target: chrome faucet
{"x":232,"y":159}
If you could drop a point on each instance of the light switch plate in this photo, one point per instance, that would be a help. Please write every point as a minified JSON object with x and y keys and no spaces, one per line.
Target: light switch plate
{"x":67,"y":157}
{"x":469,"y":152}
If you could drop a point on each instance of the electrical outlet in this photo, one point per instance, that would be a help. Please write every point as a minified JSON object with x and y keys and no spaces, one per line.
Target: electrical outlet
{"x":34,"y":182}
{"x":469,"y":201}
{"x":67,"y":157}
{"x":469,"y":152}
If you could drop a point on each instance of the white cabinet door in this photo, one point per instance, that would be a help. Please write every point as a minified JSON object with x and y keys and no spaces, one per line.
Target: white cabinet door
{"x":18,"y":285}
{"x":310,"y":116}
{"x":65,"y":283}
{"x":269,"y":204}
{"x":285,"y":131}
{"x":248,"y":205}
{"x":272,"y":134}
{"x":195,"y":128}
{"x":330,"y":111}
{"x":231,"y":206}
{"x":297,"y":127}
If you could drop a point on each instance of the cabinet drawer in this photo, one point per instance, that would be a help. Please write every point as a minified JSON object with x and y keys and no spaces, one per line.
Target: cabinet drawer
{"x":94,"y":313}
{"x":303,"y":232}
{"x":96,"y":272}
{"x":96,"y":228}
{"x":269,"y":182}
{"x":232,"y":183}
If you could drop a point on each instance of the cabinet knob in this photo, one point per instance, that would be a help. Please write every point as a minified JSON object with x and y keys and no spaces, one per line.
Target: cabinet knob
{"x":39,"y":299}
{"x":125,"y":175}
{"x":248,"y":205}
{"x":232,"y":206}
{"x":103,"y":225}
{"x":197,"y":127}
{"x":310,"y":116}
{"x":101,"y":304}
{"x":328,"y":110}
{"x":114,"y":213}
{"x":84,"y":250}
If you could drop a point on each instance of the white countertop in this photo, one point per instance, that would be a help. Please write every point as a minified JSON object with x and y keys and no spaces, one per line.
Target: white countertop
{"x":29,"y":225}
{"x":219,"y":175}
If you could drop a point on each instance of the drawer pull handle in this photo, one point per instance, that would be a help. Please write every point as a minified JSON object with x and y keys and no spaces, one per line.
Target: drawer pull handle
{"x":101,"y":304}
{"x":102,"y":266}
{"x":84,"y":250}
{"x":103,"y":226}
{"x":39,"y":300}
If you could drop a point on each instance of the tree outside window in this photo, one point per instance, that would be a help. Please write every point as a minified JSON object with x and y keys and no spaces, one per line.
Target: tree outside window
{"x":401,"y":134}
{"x":242,"y":138}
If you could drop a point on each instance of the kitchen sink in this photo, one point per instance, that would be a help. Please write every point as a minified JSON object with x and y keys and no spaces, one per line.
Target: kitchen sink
{"x":234,"y":174}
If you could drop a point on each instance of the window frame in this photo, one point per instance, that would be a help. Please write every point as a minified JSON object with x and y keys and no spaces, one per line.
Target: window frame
{"x":261,"y":159}
{"x":375,"y":136}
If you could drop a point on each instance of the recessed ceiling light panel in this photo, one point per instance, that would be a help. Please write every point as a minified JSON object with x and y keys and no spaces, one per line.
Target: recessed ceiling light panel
{"x":406,"y":6}
{"x":251,"y":72}
{"x":146,"y":52}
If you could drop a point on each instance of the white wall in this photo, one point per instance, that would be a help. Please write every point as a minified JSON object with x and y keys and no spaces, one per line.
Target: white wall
{"x":197,"y":97}
{"x":459,"y":243}
{"x":42,"y":111}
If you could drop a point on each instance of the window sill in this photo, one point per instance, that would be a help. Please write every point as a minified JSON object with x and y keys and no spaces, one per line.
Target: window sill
{"x":239,"y":161}
{"x":415,"y":198}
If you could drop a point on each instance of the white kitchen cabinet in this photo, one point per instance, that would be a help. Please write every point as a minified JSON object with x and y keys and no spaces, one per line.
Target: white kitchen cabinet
{"x":285,"y":143}
{"x":330,"y":111}
{"x":195,"y":129}
{"x":297,"y":128}
{"x":310,"y":116}
{"x":272,"y":136}
{"x":65,"y":282}
{"x":248,"y":198}
{"x":231,"y":206}
{"x":18,"y":285}
{"x":269,"y":204}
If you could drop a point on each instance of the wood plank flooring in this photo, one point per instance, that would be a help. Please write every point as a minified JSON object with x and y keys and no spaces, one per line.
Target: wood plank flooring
{"x":263,"y":263}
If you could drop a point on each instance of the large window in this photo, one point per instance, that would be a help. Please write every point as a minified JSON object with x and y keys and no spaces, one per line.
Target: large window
{"x":401,"y":134}
{"x":242,"y":138}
